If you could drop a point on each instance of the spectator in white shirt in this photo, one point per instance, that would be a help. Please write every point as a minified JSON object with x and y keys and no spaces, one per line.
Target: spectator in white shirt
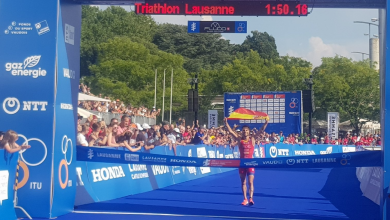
{"x":81,"y":140}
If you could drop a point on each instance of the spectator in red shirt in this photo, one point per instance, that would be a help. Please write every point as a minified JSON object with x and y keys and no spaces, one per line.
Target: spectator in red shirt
{"x":314,"y":140}
{"x":326,"y":139}
{"x":92,"y":120}
{"x":354,"y":138}
{"x":346,"y":140}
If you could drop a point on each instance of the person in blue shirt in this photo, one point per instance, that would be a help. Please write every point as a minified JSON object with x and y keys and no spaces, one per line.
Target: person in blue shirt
{"x":281,"y":137}
{"x":199,"y":137}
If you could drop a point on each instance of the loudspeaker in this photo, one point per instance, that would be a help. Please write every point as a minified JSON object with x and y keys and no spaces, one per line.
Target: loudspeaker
{"x":196,"y":101}
{"x":190,"y":100}
{"x":308,"y":101}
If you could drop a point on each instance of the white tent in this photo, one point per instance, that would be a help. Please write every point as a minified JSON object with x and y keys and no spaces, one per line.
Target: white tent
{"x":85,"y":97}
{"x":86,"y":113}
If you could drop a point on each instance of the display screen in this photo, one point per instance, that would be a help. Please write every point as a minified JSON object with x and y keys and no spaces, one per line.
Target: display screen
{"x":222,"y":8}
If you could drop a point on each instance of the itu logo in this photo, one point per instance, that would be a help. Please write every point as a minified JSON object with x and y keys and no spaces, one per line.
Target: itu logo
{"x":26,"y":68}
{"x":294,"y":103}
{"x":11,"y":105}
{"x":33,"y":151}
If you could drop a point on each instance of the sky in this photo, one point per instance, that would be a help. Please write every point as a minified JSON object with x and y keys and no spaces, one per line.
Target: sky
{"x":323,"y":33}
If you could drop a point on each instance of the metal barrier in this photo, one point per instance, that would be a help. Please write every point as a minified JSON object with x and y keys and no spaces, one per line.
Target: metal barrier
{"x":107,"y":116}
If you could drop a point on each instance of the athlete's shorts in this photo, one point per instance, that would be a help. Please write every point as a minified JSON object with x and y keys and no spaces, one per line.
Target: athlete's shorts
{"x":247,"y":171}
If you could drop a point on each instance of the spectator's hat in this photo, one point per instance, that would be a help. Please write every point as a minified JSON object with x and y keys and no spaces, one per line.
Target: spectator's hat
{"x":154,"y":106}
{"x":139,"y":127}
{"x":354,"y":134}
{"x":238,"y":130}
{"x":177,"y":130}
{"x":145,"y":126}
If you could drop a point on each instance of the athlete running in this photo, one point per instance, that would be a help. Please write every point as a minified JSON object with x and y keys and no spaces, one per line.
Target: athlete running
{"x":246,"y":147}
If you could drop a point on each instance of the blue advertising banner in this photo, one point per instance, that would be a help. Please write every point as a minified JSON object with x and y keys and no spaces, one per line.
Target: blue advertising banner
{"x":287,"y":150}
{"x":39,"y":60}
{"x":217,"y":27}
{"x":8,"y":163}
{"x":283,"y":108}
{"x":354,"y":159}
{"x":68,"y":67}
{"x":28,"y":32}
{"x":100,"y":181}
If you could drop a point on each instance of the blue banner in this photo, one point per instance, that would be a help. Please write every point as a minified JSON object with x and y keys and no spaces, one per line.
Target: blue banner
{"x":99,"y":181}
{"x":28,"y":32}
{"x":40,"y":44}
{"x":67,"y":87}
{"x":8,"y":163}
{"x":355,"y":159}
{"x":283,"y":108}
{"x":217,"y":27}
{"x":287,"y":150}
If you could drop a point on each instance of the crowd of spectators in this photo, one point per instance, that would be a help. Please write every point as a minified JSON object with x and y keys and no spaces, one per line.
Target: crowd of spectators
{"x":134,"y":136}
{"x":115,"y":106}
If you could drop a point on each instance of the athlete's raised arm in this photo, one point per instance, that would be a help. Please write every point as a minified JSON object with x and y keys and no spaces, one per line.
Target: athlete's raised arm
{"x":264,"y":126}
{"x":230,"y":129}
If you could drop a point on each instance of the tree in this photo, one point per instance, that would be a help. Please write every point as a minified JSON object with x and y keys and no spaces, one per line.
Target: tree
{"x":263,"y":43}
{"x":297,"y":70}
{"x":349,"y":87}
{"x":100,"y":26}
{"x":251,"y":73}
{"x":125,"y":70}
{"x":201,"y":51}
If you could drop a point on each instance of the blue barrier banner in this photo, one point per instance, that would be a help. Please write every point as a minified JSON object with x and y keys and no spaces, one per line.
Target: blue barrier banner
{"x":355,"y":159}
{"x":288,"y":150}
{"x":28,"y":62}
{"x":40,"y":53}
{"x":99,"y":181}
{"x":67,"y":87}
{"x":8,"y":163}
{"x":283,"y":108}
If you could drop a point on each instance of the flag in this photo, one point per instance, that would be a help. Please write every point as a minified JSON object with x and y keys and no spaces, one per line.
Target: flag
{"x":246,"y":114}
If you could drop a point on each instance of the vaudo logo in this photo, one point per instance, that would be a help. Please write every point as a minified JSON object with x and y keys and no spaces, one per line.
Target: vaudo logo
{"x":26,"y":68}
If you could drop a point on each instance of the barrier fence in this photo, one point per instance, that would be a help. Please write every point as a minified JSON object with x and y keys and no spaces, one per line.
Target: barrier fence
{"x":104,"y":173}
{"x":107,"y":116}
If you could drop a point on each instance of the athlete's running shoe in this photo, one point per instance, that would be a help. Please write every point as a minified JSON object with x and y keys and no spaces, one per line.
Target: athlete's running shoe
{"x":251,"y":201}
{"x":245,"y":202}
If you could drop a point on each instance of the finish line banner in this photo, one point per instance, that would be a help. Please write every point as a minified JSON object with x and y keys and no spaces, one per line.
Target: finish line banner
{"x":355,"y":159}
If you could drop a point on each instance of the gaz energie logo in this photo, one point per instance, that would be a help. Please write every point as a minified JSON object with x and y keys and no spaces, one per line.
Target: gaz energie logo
{"x":26,"y":68}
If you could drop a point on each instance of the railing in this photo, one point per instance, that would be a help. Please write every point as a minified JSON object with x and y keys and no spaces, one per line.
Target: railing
{"x":107,"y":116}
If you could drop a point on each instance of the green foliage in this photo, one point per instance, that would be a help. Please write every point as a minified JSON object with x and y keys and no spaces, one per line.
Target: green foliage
{"x":201,"y":51}
{"x":99,"y":26}
{"x":250,"y":73}
{"x":263,"y":43}
{"x":126,"y":70}
{"x":348,"y":87}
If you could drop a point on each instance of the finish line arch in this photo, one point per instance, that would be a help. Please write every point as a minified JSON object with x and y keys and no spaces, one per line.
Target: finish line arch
{"x":39,"y":77}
